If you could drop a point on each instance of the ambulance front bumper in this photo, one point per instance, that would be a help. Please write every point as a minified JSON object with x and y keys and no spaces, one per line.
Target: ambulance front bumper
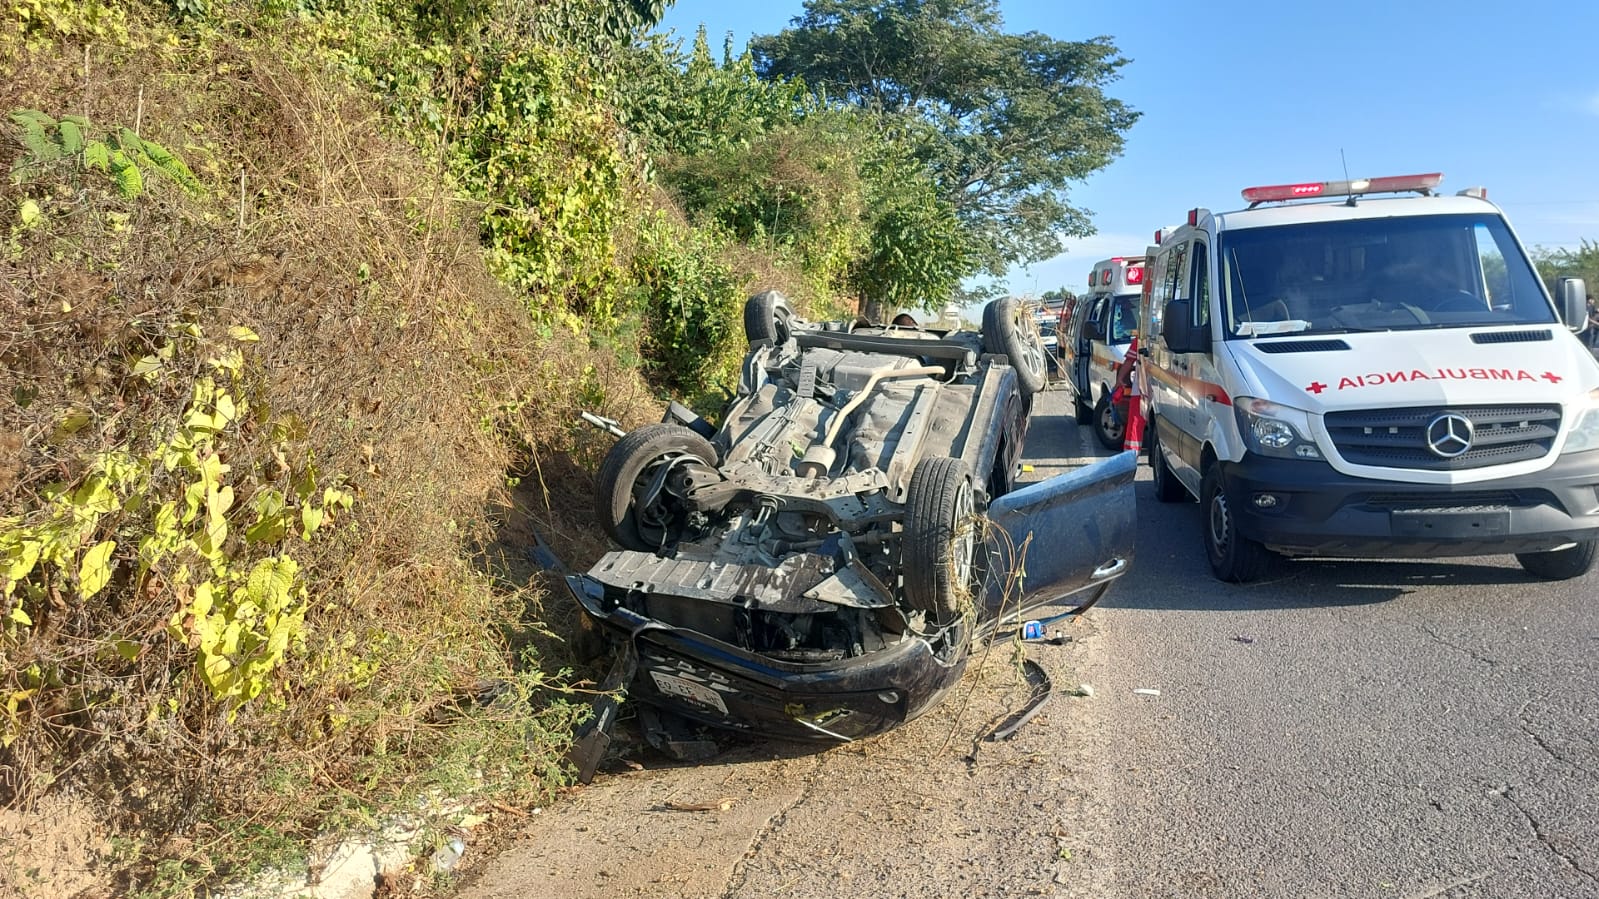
{"x":1307,"y":508}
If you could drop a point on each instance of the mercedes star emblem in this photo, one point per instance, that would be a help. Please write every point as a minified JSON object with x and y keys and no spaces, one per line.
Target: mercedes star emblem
{"x":1449,"y":435}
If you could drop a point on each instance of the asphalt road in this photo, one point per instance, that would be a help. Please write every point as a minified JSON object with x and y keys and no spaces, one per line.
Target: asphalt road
{"x":1359,"y":729}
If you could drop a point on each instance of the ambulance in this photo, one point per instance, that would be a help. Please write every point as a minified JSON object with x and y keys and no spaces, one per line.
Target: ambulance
{"x":1094,"y":341}
{"x":1369,"y":369}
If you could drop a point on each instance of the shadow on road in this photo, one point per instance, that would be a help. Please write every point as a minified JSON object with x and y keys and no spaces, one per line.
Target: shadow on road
{"x":1170,"y":573}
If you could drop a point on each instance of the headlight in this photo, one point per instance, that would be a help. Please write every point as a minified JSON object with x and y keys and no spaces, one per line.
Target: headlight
{"x":1584,"y":434}
{"x":1272,"y":429}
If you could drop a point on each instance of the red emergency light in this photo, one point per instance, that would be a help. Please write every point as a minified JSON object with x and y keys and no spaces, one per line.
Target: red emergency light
{"x":1135,"y":274}
{"x":1422,"y":184}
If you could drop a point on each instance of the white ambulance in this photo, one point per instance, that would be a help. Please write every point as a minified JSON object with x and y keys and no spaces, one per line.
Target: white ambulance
{"x":1337,"y":371}
{"x":1094,"y":341}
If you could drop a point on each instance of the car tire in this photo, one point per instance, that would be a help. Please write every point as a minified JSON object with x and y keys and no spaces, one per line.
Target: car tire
{"x":1082,"y":412}
{"x":939,"y":551}
{"x":1009,"y":329}
{"x":1559,"y":564}
{"x":1233,"y":558}
{"x":1007,"y":456}
{"x":767,"y":316}
{"x":1107,"y":427}
{"x":1167,"y":488}
{"x":628,"y":470}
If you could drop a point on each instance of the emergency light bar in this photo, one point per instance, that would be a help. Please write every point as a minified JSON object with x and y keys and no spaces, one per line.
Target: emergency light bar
{"x":1422,"y":184}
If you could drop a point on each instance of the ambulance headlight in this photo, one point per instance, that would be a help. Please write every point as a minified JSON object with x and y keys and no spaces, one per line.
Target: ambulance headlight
{"x":1584,"y":434}
{"x":1272,"y":429}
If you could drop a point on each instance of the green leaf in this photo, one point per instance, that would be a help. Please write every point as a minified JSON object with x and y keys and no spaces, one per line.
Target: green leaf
{"x":310,"y":520}
{"x":271,"y":583}
{"x":30,"y":214}
{"x":97,"y":155}
{"x":71,"y":137}
{"x":95,"y":572}
{"x":21,"y":617}
{"x":243,"y":334}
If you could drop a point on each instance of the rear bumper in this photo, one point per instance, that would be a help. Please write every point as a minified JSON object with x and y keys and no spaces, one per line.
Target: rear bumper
{"x":711,"y":681}
{"x":1322,"y":512}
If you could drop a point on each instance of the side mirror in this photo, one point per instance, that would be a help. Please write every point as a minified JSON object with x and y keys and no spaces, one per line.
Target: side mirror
{"x":1093,"y":330}
{"x":1180,"y":334}
{"x":1572,"y":301}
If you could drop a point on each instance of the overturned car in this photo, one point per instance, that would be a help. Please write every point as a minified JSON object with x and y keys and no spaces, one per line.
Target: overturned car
{"x":818,"y":566}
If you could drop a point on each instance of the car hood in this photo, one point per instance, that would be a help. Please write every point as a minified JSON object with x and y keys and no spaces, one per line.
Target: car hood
{"x":1328,"y":373}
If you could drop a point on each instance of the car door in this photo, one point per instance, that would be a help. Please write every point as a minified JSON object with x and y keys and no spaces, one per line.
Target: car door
{"x":1068,"y":535}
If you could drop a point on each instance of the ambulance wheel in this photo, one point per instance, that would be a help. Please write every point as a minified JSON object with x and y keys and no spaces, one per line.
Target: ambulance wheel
{"x":767,"y":317}
{"x":1167,"y":488}
{"x":1233,"y":558}
{"x":1559,"y":564}
{"x":1108,"y":426}
{"x":628,"y":513}
{"x":940,"y":542}
{"x":1010,"y":329}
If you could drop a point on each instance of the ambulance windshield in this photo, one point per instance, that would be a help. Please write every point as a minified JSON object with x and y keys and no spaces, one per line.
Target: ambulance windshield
{"x":1378,"y":274}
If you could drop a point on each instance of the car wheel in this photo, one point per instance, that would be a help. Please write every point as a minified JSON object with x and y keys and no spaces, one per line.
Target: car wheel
{"x":767,"y":317}
{"x":1002,"y":478}
{"x":638,"y":495}
{"x":1167,"y":488}
{"x":1082,"y":412}
{"x":1108,"y":426}
{"x":1233,"y":558}
{"x":1559,"y":564}
{"x":940,"y":541}
{"x":1010,"y":329}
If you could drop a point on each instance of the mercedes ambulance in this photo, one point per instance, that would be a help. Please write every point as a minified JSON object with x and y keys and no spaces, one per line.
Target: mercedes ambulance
{"x":1095,"y":340}
{"x":1369,"y":369}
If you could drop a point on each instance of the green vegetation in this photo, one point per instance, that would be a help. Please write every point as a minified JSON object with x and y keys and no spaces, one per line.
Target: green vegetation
{"x":1582,"y":262}
{"x":302,"y":302}
{"x":1004,"y":122}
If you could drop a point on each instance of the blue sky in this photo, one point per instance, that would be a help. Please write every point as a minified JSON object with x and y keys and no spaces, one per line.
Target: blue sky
{"x":1502,"y":95}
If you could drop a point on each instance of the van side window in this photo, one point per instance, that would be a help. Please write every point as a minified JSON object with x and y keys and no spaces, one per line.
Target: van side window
{"x":1176,"y":275}
{"x":1201,"y":285}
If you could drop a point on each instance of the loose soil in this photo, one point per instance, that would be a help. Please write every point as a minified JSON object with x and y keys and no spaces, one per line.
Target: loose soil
{"x":929,"y":810}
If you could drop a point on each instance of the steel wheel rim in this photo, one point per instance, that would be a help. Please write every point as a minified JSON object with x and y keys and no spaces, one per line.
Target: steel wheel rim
{"x":1220,"y":525}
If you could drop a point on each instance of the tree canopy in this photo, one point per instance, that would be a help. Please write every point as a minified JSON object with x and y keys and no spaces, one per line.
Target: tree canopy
{"x":1005,"y":122}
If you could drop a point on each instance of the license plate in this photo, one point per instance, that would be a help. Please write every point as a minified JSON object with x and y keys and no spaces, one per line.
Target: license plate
{"x":1463,"y":524}
{"x":699,"y":693}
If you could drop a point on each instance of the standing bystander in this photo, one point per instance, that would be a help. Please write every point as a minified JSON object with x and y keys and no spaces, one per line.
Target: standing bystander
{"x":1592,"y":336}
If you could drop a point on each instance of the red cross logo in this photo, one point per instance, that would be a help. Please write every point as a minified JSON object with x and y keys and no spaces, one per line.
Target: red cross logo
{"x":1316,"y":387}
{"x":1551,"y":377}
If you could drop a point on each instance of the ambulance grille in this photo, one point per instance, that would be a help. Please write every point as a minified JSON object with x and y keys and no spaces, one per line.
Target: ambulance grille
{"x":1397,"y":438}
{"x":1511,"y":336}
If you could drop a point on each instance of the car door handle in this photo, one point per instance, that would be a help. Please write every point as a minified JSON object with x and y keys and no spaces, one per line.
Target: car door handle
{"x":1109,"y":569}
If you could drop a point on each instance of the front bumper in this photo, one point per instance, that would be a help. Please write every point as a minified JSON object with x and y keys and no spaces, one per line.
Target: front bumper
{"x":1322,"y":512}
{"x":711,"y":681}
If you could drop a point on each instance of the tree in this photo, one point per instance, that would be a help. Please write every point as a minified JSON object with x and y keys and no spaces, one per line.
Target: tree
{"x":1582,"y":262}
{"x":771,"y":165}
{"x":1005,"y":122}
